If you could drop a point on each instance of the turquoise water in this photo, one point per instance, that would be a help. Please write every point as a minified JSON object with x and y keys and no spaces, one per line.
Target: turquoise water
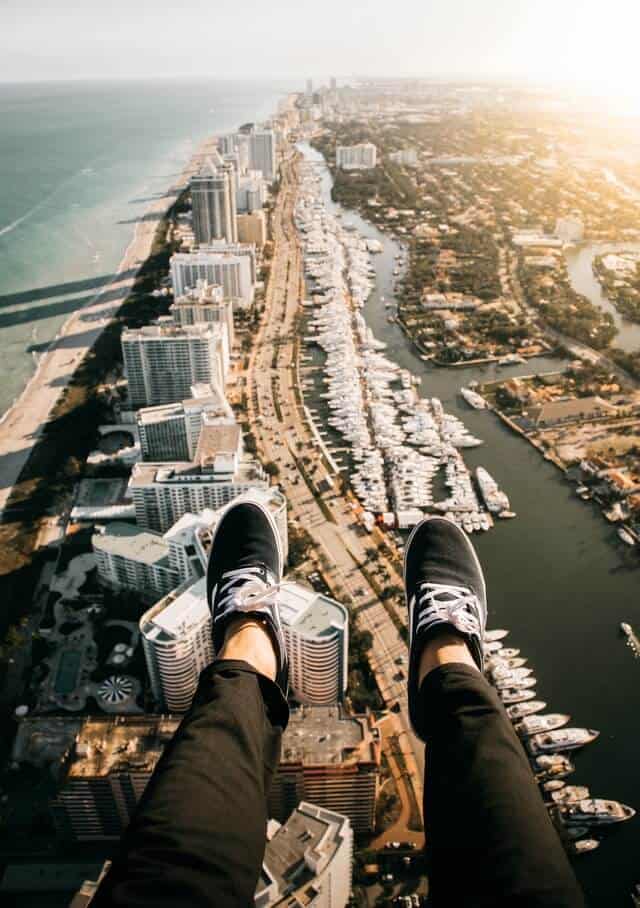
{"x":79,"y":163}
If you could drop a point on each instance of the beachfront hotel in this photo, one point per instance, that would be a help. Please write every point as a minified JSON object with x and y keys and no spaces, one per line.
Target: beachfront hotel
{"x":213,"y":197}
{"x":129,"y":558}
{"x":177,"y":642}
{"x":251,"y":194}
{"x":315,"y":631}
{"x":172,"y":431}
{"x":163,"y":360}
{"x":104,"y":773}
{"x":307,"y":861}
{"x":332,"y":759}
{"x":356,"y":157}
{"x":189,"y":539}
{"x":263,"y":153}
{"x":163,"y":492}
{"x":203,"y":305}
{"x":316,"y":634}
{"x":233,"y":267}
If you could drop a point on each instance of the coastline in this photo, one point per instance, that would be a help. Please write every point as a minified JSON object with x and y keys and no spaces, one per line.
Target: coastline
{"x":21,"y":424}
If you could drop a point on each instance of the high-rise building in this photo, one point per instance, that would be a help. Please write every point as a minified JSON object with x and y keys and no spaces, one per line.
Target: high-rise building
{"x":202,"y":305}
{"x":162,"y":361}
{"x":227,"y":144}
{"x":251,"y":193}
{"x":213,"y":196}
{"x":129,"y":558}
{"x":172,"y":431}
{"x":177,"y":643}
{"x":307,"y":861}
{"x":263,"y":153}
{"x":332,"y":83}
{"x":252,"y":228}
{"x":189,"y":539}
{"x":232,"y":267}
{"x":316,"y":633}
{"x":331,"y":759}
{"x":163,"y":492}
{"x":106,"y":772}
{"x":309,"y":87}
{"x":356,"y":157}
{"x":407,"y":157}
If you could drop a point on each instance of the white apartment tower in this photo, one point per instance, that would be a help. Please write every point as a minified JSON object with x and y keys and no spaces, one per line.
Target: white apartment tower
{"x":356,"y":157}
{"x":162,"y":361}
{"x":233,"y":267}
{"x":307,"y":860}
{"x":172,"y":431}
{"x":189,"y":539}
{"x":213,"y":196}
{"x":129,"y":558}
{"x":263,"y":153}
{"x":163,"y":492}
{"x":204,"y":304}
{"x":316,"y":634}
{"x":177,"y":644}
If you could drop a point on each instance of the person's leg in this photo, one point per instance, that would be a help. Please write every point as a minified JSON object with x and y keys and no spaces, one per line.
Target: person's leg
{"x":197,"y":838}
{"x":490,"y":841}
{"x":489,"y":837}
{"x":198,"y":835}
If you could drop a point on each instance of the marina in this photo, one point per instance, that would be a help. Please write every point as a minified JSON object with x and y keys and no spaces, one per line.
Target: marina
{"x":555,"y":536}
{"x":547,"y":741}
{"x":402,"y":447}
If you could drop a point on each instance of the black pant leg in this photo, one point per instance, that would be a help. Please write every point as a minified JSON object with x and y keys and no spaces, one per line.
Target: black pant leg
{"x":490,"y":841}
{"x":197,"y":838}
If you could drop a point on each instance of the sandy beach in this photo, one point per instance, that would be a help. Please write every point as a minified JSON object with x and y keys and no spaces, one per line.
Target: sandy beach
{"x":22,"y":424}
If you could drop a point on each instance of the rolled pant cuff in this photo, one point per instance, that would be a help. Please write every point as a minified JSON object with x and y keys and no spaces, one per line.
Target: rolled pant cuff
{"x":274,"y":700}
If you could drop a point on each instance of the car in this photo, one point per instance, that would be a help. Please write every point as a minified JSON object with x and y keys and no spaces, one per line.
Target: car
{"x":387,"y":878}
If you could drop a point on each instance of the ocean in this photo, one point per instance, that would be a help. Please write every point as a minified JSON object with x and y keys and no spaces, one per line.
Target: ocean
{"x":79,"y":164}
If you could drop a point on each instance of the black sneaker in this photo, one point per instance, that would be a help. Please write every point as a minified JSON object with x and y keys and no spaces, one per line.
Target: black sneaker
{"x":244,"y":573}
{"x":444,"y":585}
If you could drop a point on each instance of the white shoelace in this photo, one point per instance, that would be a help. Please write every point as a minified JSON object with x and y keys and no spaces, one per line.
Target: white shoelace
{"x":452,"y":604}
{"x":244,"y":590}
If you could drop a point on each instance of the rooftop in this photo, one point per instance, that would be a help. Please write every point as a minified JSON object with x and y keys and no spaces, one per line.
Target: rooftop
{"x":310,"y":832}
{"x":166,"y":328}
{"x":311,"y":613}
{"x":219,"y":438}
{"x":128,"y":541}
{"x":176,"y":613}
{"x":182,"y":531}
{"x":327,"y":734}
{"x":119,"y":745}
{"x":184,"y":471}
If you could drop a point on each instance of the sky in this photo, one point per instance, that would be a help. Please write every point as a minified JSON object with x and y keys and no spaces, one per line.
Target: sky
{"x":587,"y":42}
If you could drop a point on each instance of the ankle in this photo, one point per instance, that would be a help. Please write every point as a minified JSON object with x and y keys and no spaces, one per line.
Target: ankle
{"x":444,"y":647}
{"x":248,"y":640}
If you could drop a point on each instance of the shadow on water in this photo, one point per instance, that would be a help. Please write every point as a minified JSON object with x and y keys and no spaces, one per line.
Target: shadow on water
{"x":42,"y":293}
{"x":51,"y":310}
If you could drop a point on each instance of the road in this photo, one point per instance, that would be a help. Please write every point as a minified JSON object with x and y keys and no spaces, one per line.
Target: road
{"x":283,"y":436}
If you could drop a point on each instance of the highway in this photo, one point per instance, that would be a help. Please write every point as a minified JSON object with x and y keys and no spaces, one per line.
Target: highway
{"x":283,"y":436}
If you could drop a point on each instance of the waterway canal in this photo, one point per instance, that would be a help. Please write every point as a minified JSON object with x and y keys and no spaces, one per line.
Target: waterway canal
{"x":558,"y":578}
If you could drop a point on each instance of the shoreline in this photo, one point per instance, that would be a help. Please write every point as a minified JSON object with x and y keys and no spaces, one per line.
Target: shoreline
{"x":21,"y":425}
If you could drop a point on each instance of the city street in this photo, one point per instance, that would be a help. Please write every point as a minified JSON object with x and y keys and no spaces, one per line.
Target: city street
{"x":283,"y":436}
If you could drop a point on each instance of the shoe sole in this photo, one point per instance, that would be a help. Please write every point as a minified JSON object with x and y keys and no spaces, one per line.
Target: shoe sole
{"x":470,"y":548}
{"x":267,"y":513}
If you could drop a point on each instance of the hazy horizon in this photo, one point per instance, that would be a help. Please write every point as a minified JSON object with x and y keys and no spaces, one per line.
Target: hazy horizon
{"x":578,"y":43}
